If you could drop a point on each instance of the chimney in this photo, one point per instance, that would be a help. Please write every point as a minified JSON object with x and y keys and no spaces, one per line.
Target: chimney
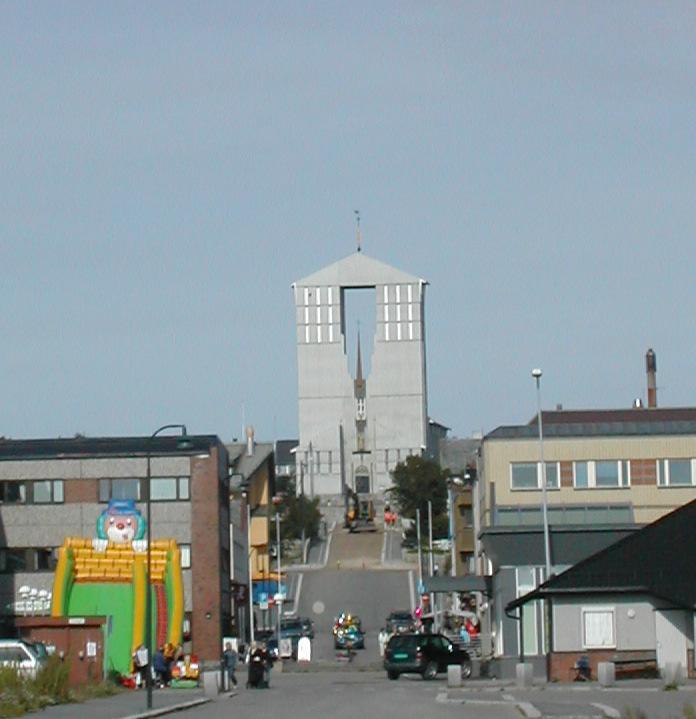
{"x":250,"y":441}
{"x":651,"y":367}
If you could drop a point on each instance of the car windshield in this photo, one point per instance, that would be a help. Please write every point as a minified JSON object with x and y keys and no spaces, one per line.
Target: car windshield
{"x":402,"y":641}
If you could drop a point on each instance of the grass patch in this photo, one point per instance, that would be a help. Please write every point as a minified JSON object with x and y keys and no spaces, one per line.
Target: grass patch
{"x":21,"y":694}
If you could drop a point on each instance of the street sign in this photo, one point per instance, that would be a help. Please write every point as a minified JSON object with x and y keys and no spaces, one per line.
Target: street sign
{"x":421,"y":587}
{"x":263,"y":600}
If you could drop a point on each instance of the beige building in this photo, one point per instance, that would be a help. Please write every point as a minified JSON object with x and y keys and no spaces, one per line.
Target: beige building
{"x":608,"y":473}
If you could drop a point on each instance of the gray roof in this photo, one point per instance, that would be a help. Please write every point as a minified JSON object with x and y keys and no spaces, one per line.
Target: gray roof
{"x":245,"y":464}
{"x":610,"y":422}
{"x":357,"y":270}
{"x":456,"y":454}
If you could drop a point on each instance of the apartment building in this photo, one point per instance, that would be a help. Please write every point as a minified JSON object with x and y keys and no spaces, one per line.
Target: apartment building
{"x":608,"y":473}
{"x":51,"y":489}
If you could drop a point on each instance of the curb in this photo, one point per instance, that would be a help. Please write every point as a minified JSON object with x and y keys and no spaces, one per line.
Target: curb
{"x":168,"y":710}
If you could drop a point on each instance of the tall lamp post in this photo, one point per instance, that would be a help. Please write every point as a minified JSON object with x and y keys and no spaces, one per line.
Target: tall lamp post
{"x":536,"y":373}
{"x":183,"y":443}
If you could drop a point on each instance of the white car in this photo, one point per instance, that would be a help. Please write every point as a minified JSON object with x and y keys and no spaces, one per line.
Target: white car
{"x":21,"y":655}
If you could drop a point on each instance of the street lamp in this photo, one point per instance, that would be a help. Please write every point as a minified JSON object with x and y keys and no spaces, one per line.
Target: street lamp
{"x":536,"y":373}
{"x":182,"y":443}
{"x":279,"y":598}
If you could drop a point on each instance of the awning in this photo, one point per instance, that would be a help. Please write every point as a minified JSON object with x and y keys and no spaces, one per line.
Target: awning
{"x":466,"y":583}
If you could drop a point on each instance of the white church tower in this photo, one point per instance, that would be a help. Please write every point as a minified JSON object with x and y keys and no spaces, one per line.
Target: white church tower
{"x":355,"y":429}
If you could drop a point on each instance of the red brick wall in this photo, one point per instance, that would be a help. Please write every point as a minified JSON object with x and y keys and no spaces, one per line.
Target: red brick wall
{"x":71,"y":639}
{"x":81,"y":490}
{"x":561,"y":663}
{"x":206,"y":619}
{"x":566,"y":474}
{"x":643,"y":471}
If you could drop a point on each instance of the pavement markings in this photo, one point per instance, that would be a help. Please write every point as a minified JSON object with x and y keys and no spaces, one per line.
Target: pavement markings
{"x":529,"y":710}
{"x":608,"y":712}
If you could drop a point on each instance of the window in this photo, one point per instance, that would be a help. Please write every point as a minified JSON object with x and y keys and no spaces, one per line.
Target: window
{"x":526,"y":582}
{"x":598,"y":628}
{"x":32,"y":559}
{"x":611,"y":474}
{"x":119,"y":489}
{"x":13,"y":492}
{"x":601,"y":474}
{"x":169,"y":489}
{"x":47,"y":491}
{"x":467,"y":515}
{"x":580,"y":475}
{"x":185,"y":553}
{"x":527,"y":475}
{"x":524,"y":475}
{"x":675,"y":472}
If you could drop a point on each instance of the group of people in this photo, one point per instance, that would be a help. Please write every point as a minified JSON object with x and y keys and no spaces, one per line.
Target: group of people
{"x":390,"y":517}
{"x":166,"y":658}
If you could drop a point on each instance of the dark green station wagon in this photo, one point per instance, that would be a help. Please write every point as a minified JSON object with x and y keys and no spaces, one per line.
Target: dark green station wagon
{"x":424,"y":654}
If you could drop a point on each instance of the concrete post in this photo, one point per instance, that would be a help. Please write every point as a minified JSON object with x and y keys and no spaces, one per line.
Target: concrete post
{"x":524,"y":673}
{"x":454,"y":676}
{"x":606,"y":674}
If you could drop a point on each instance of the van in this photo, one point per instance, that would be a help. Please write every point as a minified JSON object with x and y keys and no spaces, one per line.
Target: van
{"x":22,"y":656}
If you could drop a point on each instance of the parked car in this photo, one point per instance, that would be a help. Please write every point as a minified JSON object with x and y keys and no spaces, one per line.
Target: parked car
{"x":424,"y":654}
{"x":26,"y":657}
{"x":296,"y":627}
{"x":400,"y":622}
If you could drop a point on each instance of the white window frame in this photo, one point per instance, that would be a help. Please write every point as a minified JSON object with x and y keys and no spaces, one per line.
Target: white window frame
{"x":531,"y":607}
{"x":584,"y":611}
{"x":624,"y":474}
{"x":538,"y":477}
{"x":663,"y":471}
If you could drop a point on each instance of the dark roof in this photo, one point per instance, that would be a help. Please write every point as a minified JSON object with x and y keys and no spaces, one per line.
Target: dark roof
{"x":659,"y":560}
{"x":80,"y":447}
{"x":283,"y":455}
{"x":604,"y":422}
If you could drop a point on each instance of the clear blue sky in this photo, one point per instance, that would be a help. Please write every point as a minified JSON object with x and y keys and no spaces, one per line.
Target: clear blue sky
{"x":169,"y":168}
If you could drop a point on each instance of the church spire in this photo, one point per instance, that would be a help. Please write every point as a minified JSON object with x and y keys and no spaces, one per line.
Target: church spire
{"x":358,"y":235}
{"x":358,"y":370}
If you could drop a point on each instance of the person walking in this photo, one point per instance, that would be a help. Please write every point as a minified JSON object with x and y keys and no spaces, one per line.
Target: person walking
{"x":229,"y":663}
{"x":141,"y":665}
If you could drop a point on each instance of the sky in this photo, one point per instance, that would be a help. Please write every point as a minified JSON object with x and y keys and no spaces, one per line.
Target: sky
{"x":168,"y":169}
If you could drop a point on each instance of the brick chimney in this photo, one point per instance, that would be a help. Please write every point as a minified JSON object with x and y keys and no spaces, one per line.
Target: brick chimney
{"x":651,"y":368}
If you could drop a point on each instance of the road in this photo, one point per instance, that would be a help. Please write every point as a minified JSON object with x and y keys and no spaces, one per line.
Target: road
{"x":364,"y":575}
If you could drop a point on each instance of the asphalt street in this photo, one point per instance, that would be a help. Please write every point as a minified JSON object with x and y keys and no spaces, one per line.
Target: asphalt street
{"x":359,"y":579}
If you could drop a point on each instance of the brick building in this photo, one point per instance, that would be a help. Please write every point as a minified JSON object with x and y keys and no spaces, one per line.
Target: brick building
{"x":54,"y":488}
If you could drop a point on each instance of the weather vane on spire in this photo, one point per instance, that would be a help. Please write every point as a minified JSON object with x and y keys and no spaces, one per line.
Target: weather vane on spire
{"x":357,"y":221}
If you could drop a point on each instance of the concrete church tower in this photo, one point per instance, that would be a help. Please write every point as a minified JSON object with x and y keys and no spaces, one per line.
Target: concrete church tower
{"x":354,"y":430}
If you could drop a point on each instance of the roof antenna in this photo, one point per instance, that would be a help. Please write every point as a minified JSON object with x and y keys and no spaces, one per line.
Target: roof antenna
{"x":357,"y":221}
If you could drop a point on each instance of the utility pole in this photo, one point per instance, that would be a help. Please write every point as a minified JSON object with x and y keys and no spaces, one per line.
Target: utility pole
{"x":430,"y":561}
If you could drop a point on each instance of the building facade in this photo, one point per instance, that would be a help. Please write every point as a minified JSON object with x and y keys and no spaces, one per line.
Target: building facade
{"x":608,"y":473}
{"x":355,"y":429}
{"x":56,"y":488}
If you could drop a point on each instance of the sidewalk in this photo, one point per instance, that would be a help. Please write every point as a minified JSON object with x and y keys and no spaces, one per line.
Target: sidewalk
{"x":128,"y":703}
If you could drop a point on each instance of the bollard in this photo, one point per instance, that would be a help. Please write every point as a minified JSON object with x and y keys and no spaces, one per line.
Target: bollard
{"x":525,"y":674}
{"x":210,"y":684}
{"x":606,"y":674}
{"x":672,"y":674}
{"x":454,"y":676}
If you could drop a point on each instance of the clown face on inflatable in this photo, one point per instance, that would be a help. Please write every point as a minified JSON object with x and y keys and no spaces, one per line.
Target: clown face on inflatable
{"x":121,"y":522}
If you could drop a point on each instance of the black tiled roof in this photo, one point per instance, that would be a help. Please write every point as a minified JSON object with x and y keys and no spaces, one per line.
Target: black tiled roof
{"x":80,"y":447}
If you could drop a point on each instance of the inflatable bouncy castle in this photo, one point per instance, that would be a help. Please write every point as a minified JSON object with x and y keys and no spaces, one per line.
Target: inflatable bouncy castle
{"x":107,"y":576}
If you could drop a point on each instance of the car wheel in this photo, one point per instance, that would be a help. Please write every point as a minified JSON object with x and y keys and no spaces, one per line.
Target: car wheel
{"x":430,"y":671}
{"x":466,"y":669}
{"x":393,"y":675}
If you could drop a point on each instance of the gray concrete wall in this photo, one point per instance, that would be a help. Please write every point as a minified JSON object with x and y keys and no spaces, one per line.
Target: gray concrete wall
{"x":634,"y":621}
{"x":396,"y":399}
{"x":94,"y":468}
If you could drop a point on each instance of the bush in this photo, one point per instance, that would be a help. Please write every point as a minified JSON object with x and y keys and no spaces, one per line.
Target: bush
{"x":20,"y":694}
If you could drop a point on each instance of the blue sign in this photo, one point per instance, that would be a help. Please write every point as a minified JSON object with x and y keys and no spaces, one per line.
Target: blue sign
{"x":421,"y":587}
